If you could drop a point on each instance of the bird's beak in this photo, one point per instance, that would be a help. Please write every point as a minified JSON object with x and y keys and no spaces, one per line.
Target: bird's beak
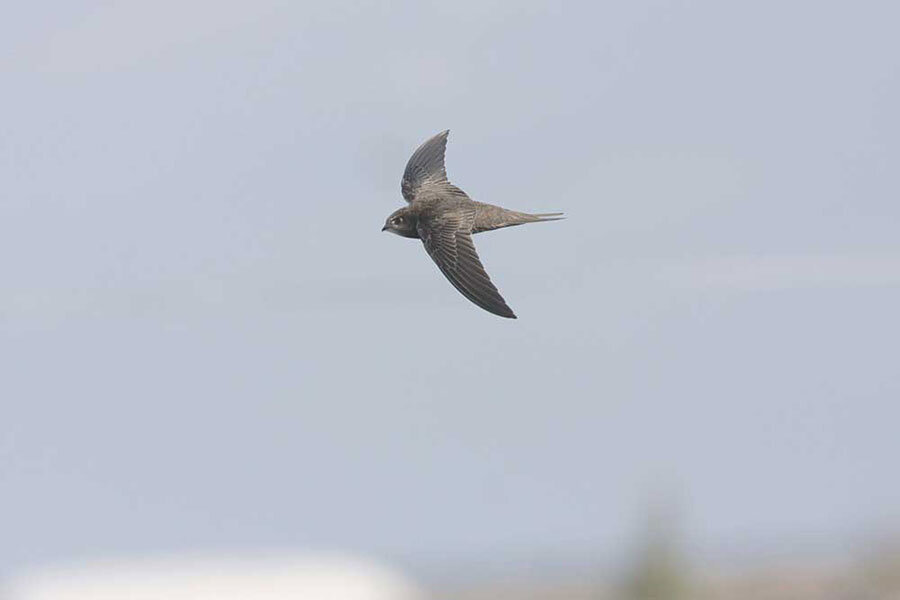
{"x":384,"y":228}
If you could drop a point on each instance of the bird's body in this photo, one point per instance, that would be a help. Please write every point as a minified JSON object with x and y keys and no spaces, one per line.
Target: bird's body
{"x":445,"y":218}
{"x":487,"y":216}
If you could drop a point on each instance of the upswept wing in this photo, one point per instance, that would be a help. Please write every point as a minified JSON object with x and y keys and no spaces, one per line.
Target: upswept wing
{"x":425,"y":166}
{"x":448,"y":240}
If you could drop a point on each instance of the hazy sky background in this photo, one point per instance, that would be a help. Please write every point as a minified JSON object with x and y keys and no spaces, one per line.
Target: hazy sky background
{"x":208,"y":344}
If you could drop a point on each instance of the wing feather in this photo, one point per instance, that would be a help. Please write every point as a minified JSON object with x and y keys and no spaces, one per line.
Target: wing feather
{"x":425,"y":166}
{"x":448,"y":240}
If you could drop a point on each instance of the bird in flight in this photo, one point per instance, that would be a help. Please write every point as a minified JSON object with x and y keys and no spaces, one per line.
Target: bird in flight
{"x":445,"y":218}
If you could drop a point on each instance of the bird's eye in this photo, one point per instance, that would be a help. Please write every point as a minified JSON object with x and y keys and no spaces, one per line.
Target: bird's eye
{"x":398,"y":220}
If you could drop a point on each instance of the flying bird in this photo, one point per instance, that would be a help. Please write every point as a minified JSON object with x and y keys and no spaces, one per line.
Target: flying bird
{"x":445,"y":218}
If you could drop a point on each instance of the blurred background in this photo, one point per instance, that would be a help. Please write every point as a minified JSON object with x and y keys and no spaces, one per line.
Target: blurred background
{"x":218,"y":374}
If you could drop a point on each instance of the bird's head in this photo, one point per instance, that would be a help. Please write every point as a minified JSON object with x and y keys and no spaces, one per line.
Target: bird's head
{"x":402,"y":222}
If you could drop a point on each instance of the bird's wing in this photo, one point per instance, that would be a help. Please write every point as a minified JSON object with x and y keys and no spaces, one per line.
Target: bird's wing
{"x":425,"y":166}
{"x":448,"y":240}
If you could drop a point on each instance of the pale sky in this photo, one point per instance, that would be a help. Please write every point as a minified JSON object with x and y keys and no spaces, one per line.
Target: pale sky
{"x":208,"y":344}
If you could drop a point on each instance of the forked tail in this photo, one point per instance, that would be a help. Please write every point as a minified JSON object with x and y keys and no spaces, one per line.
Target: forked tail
{"x":547,"y":217}
{"x":491,"y":217}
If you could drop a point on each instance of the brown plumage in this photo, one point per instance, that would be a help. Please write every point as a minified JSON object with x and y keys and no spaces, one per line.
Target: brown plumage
{"x":445,"y":218}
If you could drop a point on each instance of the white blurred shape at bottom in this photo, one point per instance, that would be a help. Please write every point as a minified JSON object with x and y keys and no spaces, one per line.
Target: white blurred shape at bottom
{"x":194,"y":577}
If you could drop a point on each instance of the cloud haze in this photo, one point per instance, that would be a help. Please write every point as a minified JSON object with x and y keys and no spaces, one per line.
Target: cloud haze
{"x":208,"y":344}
